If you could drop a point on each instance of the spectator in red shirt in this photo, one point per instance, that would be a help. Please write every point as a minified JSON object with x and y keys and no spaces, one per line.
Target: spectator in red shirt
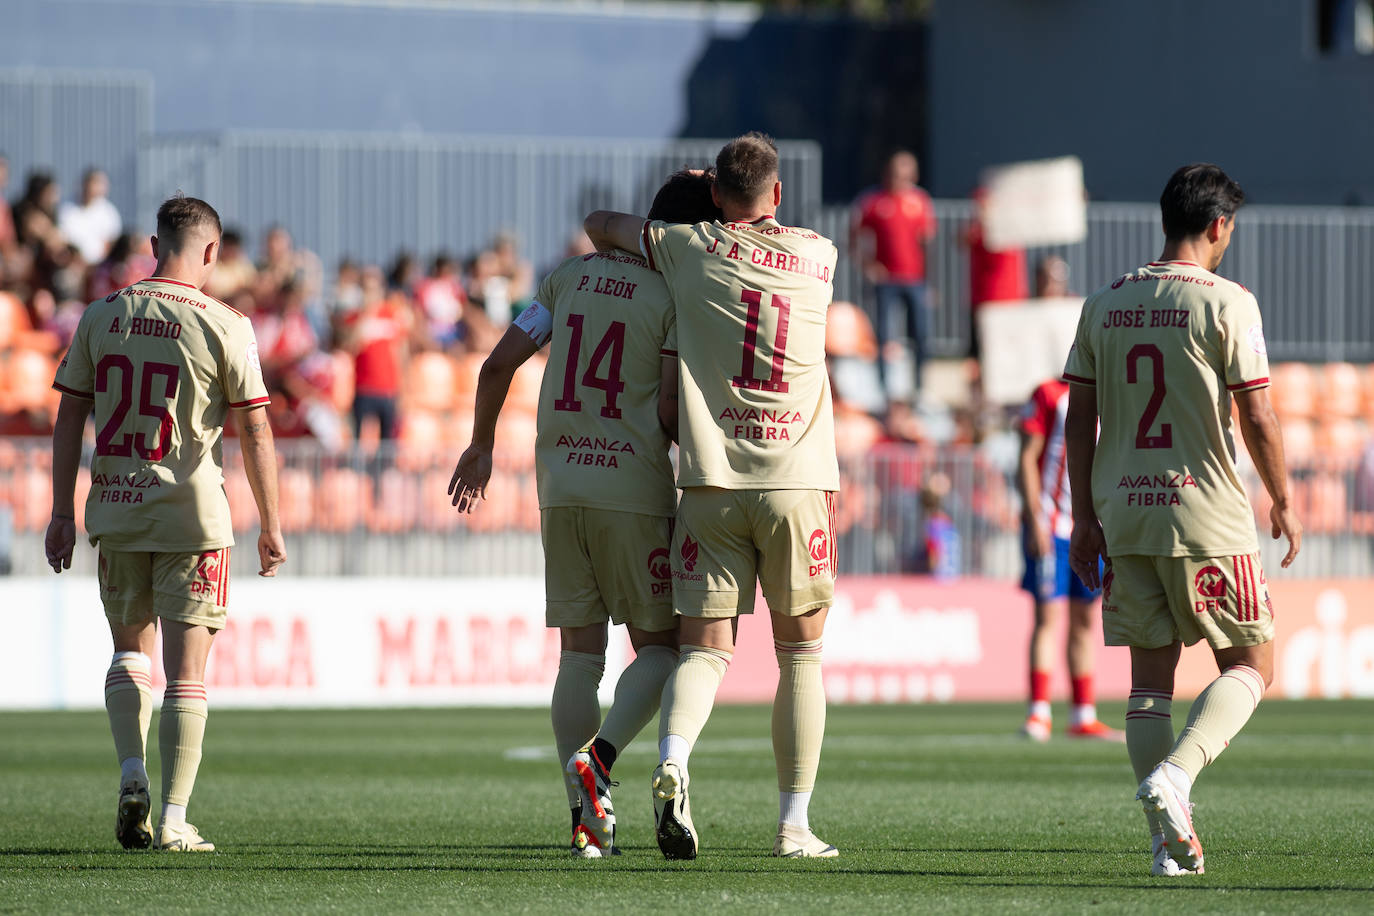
{"x":376,"y":335}
{"x":893,"y":226}
{"x":994,"y":276}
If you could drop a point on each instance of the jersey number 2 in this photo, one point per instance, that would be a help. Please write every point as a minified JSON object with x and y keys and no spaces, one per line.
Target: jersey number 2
{"x":610,"y":350}
{"x":754,"y":300}
{"x":117,"y":366}
{"x":1143,"y":439}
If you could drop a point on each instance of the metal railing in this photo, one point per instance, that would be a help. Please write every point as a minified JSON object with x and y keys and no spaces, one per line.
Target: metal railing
{"x":371,"y":196}
{"x":387,"y":513}
{"x":1312,"y":269}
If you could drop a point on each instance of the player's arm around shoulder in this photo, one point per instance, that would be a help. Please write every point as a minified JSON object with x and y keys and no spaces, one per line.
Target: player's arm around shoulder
{"x":609,"y":230}
{"x":260,"y":465}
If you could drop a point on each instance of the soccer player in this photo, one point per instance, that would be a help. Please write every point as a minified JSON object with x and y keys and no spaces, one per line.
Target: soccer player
{"x":607,"y":412}
{"x":757,"y":469}
{"x":1046,"y":523}
{"x":162,"y":365}
{"x":1158,"y":357}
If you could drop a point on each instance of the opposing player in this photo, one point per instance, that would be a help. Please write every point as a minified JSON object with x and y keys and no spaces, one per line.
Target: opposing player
{"x":1046,"y":523}
{"x":1158,"y":356}
{"x":757,"y":469}
{"x":607,"y":412}
{"x":163,"y":365}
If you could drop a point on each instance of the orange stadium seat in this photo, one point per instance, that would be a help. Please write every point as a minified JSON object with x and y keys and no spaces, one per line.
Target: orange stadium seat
{"x":1340,"y":441}
{"x":1367,"y":392}
{"x":1293,"y":390}
{"x":14,"y":319}
{"x":1325,"y":503}
{"x":32,"y":499}
{"x":1299,"y":443}
{"x":297,"y":499}
{"x":856,"y":433}
{"x":1340,"y":391}
{"x":524,"y":388}
{"x":396,"y":507}
{"x":421,"y":442}
{"x":515,"y":436}
{"x":457,"y":432}
{"x":342,"y":390}
{"x":469,"y":367}
{"x":28,"y":377}
{"x":526,"y":514}
{"x":848,"y":332}
{"x":243,"y":511}
{"x":437,"y":512}
{"x":343,"y":499}
{"x":431,"y":381}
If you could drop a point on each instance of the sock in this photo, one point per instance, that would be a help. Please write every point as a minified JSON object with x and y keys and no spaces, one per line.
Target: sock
{"x":1149,"y":729}
{"x":1084,"y":707}
{"x":605,"y":752}
{"x":129,"y":703}
{"x":179,"y":738}
{"x":637,"y":696}
{"x":574,"y":709}
{"x":688,"y":697}
{"x":1040,"y":694}
{"x":1217,"y":715}
{"x":792,"y":809}
{"x":798,"y":726}
{"x":173,"y":815}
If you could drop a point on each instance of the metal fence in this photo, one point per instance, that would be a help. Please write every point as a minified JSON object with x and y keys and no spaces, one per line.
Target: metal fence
{"x":388,"y":513}
{"x":371,"y":196}
{"x":67,"y":121}
{"x":1312,"y":269}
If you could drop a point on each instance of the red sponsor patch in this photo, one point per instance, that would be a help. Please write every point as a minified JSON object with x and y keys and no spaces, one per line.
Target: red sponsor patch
{"x":818,"y":545}
{"x":659,"y":566}
{"x":1210,"y":582}
{"x":689,"y":553}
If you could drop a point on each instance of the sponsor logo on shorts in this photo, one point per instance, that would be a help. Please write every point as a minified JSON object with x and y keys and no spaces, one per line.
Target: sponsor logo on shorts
{"x":687,"y":553}
{"x":208,"y":582}
{"x":661,"y":569}
{"x":110,"y":587}
{"x":1211,"y":585}
{"x":818,"y":545}
{"x":1108,"y":577}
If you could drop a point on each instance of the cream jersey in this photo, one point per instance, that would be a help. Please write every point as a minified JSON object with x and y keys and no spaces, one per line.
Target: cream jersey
{"x":599,"y":443}
{"x":163,"y":363}
{"x":754,"y":392}
{"x":1164,"y":346}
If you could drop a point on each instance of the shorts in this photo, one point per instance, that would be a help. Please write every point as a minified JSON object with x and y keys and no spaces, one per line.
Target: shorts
{"x":600,"y":564}
{"x":191,"y":588}
{"x":1048,"y":578}
{"x":726,"y":539}
{"x":1151,"y":602}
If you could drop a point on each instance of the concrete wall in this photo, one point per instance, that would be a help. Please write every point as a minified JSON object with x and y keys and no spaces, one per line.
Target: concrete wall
{"x":1137,"y":89}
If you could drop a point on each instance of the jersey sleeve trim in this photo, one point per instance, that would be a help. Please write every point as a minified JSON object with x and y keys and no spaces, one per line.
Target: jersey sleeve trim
{"x":1079,"y":380}
{"x":1252,"y":384}
{"x":254,"y":402}
{"x":666,"y":352}
{"x":88,"y":395}
{"x":645,"y":245}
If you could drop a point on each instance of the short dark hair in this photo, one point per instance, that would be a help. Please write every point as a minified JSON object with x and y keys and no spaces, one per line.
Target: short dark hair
{"x":686,"y":198}
{"x":747,"y":166}
{"x":179,"y":217}
{"x":1195,"y":195}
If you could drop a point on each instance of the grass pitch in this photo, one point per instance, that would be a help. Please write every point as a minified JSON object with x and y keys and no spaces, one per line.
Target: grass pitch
{"x":934,"y":809}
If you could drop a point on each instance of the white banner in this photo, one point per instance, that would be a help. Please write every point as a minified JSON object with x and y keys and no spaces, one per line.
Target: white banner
{"x":311,"y":642}
{"x":1024,"y":344}
{"x":1026,"y":204}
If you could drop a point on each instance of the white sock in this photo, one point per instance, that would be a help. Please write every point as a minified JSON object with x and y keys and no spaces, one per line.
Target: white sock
{"x":132,"y":769}
{"x":792,"y":809}
{"x":1040,"y":708}
{"x":1179,"y":778}
{"x":1083,"y":714}
{"x":173,"y":815}
{"x":676,"y":747}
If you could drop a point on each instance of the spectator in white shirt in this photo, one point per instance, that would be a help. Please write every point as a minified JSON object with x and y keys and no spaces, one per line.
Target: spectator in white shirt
{"x":94,"y":223}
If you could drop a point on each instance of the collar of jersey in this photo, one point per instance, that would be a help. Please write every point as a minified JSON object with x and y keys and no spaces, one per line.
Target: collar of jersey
{"x":1174,"y":261}
{"x":165,"y":280}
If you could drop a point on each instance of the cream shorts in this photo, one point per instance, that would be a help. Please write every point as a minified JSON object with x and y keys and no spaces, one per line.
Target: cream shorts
{"x":1150,"y":602}
{"x":600,"y":564}
{"x":191,"y":588}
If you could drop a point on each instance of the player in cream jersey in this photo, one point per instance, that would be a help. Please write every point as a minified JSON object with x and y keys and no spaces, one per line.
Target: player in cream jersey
{"x":162,"y":366}
{"x":1158,"y":356}
{"x":757,"y":469}
{"x":756,"y":410}
{"x":607,"y":414}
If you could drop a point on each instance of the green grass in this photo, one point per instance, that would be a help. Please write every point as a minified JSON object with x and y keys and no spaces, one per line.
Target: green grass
{"x":934,"y":808}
